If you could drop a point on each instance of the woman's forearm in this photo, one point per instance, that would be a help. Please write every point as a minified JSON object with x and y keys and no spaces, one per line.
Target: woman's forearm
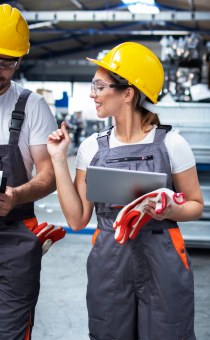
{"x":70,"y":201}
{"x":189,"y":211}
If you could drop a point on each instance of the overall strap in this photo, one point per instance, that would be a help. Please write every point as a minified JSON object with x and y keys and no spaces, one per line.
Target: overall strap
{"x":18,"y":117}
{"x":161,"y":132}
{"x":103,"y":138}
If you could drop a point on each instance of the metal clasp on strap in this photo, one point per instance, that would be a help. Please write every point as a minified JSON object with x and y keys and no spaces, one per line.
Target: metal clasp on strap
{"x":104,"y":133}
{"x":16,"y":121}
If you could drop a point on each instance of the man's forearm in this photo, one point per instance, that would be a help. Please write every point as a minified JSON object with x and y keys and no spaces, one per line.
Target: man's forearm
{"x":38,"y":187}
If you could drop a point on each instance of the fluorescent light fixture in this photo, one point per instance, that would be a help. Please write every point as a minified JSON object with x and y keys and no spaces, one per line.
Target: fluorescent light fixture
{"x":42,"y":24}
{"x":157,"y":32}
{"x":49,"y":211}
{"x":144,"y":6}
{"x":42,"y":206}
{"x":77,"y":3}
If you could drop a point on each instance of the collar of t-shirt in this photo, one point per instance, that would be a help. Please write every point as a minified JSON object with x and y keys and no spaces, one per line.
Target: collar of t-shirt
{"x":114,"y":142}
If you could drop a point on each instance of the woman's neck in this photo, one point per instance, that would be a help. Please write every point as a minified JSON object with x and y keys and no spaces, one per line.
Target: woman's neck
{"x":128,"y":127}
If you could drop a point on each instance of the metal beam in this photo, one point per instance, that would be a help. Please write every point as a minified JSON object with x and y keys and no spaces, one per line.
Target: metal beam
{"x":151,"y":30}
{"x":120,"y":29}
{"x":98,"y":16}
{"x":100,"y":45}
{"x":14,"y":3}
{"x":192,"y":6}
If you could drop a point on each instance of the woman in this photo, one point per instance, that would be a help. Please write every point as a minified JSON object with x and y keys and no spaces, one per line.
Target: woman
{"x":144,"y":288}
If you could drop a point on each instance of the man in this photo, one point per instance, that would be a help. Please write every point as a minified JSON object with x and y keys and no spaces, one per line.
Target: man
{"x":25,"y":123}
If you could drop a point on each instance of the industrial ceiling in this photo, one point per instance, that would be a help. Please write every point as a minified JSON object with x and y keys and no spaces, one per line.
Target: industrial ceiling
{"x":64,"y":32}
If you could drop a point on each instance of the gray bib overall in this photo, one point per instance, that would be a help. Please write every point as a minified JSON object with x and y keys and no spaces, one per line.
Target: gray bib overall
{"x":143,"y":289}
{"x":20,"y":249}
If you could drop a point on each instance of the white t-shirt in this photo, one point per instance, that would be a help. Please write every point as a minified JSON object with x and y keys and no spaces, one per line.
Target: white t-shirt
{"x":179,"y":151}
{"x":37,"y":125}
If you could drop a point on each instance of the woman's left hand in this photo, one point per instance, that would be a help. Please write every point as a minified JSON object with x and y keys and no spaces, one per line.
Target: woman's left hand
{"x":168,"y":213}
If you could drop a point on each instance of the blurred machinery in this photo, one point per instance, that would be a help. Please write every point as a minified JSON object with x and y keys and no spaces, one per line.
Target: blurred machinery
{"x":192,"y":121}
{"x":185,"y":104}
{"x":182,"y":60}
{"x":208,"y":61}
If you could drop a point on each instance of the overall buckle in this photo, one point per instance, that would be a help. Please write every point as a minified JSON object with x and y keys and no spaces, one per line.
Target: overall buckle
{"x":16,"y":121}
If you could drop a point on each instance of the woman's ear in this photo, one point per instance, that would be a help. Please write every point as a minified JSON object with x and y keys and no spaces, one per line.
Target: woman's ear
{"x":129,"y":94}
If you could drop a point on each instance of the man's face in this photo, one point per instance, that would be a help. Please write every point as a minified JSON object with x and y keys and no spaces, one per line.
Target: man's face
{"x":7,"y":75}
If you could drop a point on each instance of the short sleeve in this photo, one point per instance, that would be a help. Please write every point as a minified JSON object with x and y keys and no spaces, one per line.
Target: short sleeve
{"x":180,"y":153}
{"x":42,"y":123}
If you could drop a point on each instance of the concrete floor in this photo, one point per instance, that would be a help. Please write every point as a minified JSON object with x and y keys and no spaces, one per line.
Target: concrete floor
{"x":61,"y":310}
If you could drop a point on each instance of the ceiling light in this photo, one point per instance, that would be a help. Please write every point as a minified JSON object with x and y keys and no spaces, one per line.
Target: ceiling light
{"x":77,"y":3}
{"x":144,"y":6}
{"x":42,"y":206}
{"x":49,"y":210}
{"x":42,"y":24}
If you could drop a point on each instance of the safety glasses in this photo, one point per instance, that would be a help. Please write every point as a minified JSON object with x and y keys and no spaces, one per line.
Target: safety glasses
{"x":100,"y":87}
{"x":8,"y":64}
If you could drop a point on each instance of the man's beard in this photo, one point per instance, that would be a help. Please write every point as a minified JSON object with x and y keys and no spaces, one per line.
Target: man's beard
{"x":4,"y":82}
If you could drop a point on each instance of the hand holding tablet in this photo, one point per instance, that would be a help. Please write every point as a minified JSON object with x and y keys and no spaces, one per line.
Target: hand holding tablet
{"x":117,"y":186}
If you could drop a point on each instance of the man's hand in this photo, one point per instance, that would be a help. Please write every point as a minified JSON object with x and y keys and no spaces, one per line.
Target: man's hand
{"x":8,"y":201}
{"x":48,"y":234}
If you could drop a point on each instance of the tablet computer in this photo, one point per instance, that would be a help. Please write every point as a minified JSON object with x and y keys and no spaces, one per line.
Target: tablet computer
{"x":117,"y":186}
{"x":3,"y":183}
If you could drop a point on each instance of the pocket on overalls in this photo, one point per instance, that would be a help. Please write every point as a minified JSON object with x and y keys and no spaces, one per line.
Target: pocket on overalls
{"x":179,"y":245}
{"x":140,"y":163}
{"x":171,"y":282}
{"x":97,"y":231}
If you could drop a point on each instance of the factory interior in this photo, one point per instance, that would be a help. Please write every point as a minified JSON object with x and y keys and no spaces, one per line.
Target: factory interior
{"x":62,"y":35}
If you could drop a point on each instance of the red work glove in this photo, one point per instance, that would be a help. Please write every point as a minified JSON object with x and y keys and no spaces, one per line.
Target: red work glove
{"x":48,"y":234}
{"x":132,"y":217}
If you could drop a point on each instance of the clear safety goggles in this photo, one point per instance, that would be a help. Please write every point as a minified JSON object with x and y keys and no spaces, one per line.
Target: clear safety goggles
{"x":100,"y":87}
{"x":8,"y":64}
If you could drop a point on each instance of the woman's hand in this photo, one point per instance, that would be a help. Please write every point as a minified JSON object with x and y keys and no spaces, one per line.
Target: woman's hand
{"x":170,"y":211}
{"x":58,"y":142}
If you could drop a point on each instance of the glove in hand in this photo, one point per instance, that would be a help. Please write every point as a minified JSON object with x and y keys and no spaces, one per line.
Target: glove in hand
{"x":48,"y":234}
{"x":132,"y":217}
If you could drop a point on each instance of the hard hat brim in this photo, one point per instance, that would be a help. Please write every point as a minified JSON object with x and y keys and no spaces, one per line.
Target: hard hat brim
{"x":101,"y":63}
{"x":14,"y":53}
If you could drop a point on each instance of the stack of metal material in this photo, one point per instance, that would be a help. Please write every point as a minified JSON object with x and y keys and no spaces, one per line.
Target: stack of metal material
{"x":192,"y":121}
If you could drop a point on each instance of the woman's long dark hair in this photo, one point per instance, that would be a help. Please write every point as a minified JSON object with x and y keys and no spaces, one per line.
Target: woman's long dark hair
{"x":148,"y":117}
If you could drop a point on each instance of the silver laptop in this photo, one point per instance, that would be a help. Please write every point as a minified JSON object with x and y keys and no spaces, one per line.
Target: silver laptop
{"x":117,"y":186}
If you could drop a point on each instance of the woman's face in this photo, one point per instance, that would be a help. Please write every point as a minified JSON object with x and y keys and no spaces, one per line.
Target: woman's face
{"x":107,"y":100}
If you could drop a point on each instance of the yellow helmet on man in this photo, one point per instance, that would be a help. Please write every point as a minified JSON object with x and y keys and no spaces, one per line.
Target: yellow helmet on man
{"x":14,"y":32}
{"x":137,"y":64}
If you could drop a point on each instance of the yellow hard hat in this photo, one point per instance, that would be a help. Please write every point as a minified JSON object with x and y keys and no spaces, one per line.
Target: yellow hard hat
{"x":14,"y":32}
{"x":137,"y":64}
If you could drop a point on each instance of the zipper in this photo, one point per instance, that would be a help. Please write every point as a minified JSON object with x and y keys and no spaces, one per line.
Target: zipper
{"x":129,"y":159}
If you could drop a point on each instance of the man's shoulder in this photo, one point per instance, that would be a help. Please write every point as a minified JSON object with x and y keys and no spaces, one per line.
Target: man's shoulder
{"x":17,"y":89}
